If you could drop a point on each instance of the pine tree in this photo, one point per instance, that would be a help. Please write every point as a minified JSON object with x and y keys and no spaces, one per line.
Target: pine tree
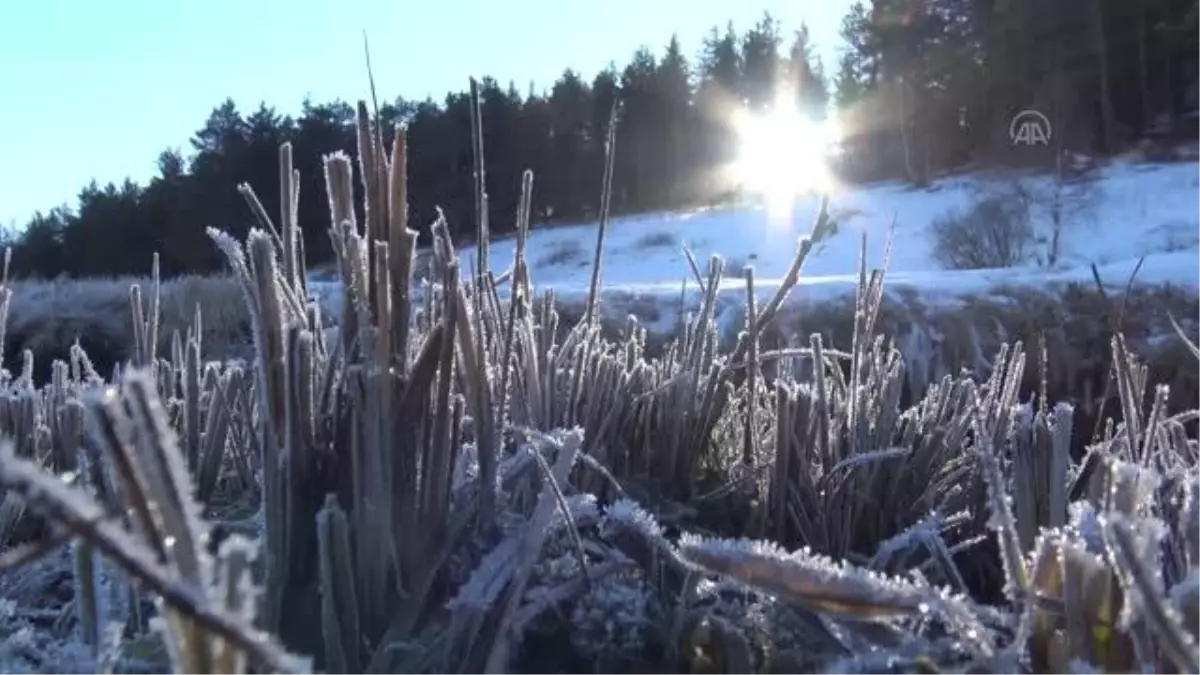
{"x":674,"y":116}
{"x":635,"y":184}
{"x":571,"y":106}
{"x":806,"y":76}
{"x":721,"y":61}
{"x":761,"y":65}
{"x":717,"y":95}
{"x":849,"y":87}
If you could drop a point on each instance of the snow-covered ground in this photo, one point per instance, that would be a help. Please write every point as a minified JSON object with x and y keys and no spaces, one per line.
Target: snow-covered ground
{"x":1134,"y":209}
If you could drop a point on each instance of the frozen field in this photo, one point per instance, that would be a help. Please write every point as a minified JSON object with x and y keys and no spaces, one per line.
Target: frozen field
{"x":1134,"y":210}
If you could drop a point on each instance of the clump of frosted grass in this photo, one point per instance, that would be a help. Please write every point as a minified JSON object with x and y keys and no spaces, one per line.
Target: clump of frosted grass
{"x":452,"y":473}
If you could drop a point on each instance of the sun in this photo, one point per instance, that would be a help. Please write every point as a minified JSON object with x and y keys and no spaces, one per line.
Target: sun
{"x":783,"y":154}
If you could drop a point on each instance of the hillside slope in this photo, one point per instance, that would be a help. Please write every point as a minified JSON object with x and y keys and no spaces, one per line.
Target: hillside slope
{"x":1125,"y":211}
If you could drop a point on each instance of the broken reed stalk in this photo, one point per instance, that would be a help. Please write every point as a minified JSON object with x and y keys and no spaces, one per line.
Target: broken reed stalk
{"x":610,"y":149}
{"x":749,"y":440}
{"x":482,"y":235}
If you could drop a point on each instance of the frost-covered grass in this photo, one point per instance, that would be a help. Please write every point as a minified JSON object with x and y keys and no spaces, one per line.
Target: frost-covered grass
{"x":455,"y":482}
{"x":47,"y":317}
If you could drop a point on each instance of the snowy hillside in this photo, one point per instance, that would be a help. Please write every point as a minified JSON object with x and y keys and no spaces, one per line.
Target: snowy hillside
{"x":1134,"y":209}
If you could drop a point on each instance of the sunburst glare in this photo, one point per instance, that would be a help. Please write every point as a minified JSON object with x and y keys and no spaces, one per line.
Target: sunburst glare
{"x":783,"y":154}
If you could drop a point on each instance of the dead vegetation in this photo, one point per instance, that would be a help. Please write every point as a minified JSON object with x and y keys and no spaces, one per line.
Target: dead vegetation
{"x":457,"y":482}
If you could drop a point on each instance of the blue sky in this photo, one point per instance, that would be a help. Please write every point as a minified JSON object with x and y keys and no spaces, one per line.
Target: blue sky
{"x":98,"y":89}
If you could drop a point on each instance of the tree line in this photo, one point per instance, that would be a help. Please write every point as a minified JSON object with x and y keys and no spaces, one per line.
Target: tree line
{"x":921,"y":86}
{"x":935,"y":83}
